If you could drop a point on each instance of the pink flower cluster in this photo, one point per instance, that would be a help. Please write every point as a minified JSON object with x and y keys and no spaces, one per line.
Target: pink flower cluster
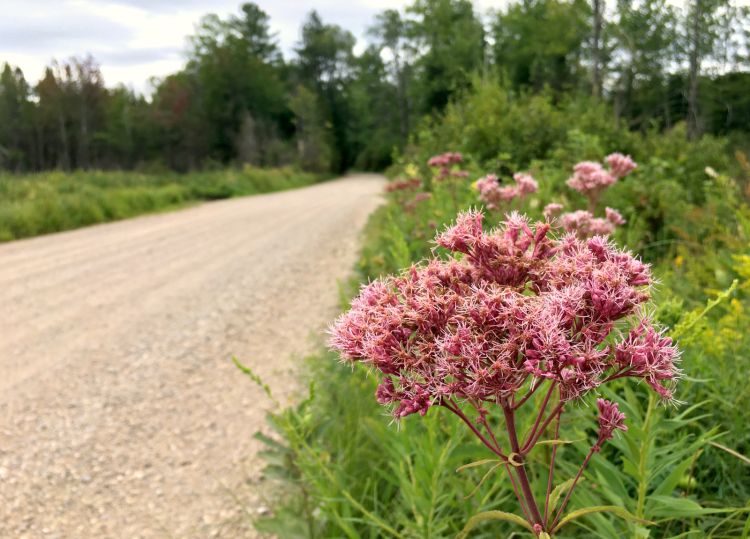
{"x":610,"y":420}
{"x":492,"y":194}
{"x":445,"y":165}
{"x":403,"y":185}
{"x":585,"y":225}
{"x":590,"y":177}
{"x":508,"y":306}
{"x":620,"y":165}
{"x":411,"y":205}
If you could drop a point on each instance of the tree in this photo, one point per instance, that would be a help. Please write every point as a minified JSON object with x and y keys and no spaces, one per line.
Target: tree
{"x":14,"y":107}
{"x":450,"y":39}
{"x":325,"y":62}
{"x":391,"y":32}
{"x":539,"y":43}
{"x":645,"y":34}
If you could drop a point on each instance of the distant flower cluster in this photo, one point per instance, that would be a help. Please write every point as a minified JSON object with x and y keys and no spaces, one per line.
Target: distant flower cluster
{"x":591,"y":179}
{"x":585,"y":225}
{"x":511,"y":305}
{"x":410,"y":184}
{"x":493,"y":195}
{"x":446,"y":166}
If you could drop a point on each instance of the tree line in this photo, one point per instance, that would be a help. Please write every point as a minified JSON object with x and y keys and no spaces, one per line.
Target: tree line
{"x":327,"y":108}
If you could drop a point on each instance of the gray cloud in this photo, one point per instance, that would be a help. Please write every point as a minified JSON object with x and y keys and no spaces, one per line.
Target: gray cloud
{"x":125,"y":57}
{"x":48,"y":27}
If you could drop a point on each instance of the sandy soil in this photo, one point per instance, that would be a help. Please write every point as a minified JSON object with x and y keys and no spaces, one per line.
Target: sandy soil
{"x":121,"y":414}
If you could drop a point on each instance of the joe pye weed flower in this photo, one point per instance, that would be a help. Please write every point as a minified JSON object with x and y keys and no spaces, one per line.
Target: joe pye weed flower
{"x":511,"y":313}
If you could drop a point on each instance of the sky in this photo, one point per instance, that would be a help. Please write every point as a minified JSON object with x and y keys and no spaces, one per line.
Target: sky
{"x":134,"y":40}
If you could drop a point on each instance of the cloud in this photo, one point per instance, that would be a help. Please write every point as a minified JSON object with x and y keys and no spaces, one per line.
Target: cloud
{"x":52,"y":26}
{"x":130,"y":57}
{"x":134,"y":40}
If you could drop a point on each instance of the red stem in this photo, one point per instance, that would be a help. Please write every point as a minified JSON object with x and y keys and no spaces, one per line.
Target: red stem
{"x":593,"y":449}
{"x":515,"y":491}
{"x":622,"y":373}
{"x":483,"y":420}
{"x":550,"y":476}
{"x":510,"y":423}
{"x":540,"y":415}
{"x":529,"y":445}
{"x":529,"y":393}
{"x":456,"y":410}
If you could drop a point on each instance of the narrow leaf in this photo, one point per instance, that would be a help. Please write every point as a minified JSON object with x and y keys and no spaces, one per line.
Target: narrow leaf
{"x":475,"y":464}
{"x":732,"y":452}
{"x":559,"y":490}
{"x":492,"y":515}
{"x":558,"y":442}
{"x":619,"y":511}
{"x":481,"y":481}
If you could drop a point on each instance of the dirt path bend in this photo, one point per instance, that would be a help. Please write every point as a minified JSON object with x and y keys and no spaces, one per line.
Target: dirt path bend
{"x":121,"y":415}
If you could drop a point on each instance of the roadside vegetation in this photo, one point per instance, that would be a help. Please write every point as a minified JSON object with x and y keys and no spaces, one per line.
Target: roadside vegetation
{"x":351,"y":471}
{"x":46,"y":202}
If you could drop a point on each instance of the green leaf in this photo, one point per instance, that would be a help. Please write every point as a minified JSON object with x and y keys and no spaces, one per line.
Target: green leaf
{"x":475,"y":464}
{"x":492,"y":515}
{"x":559,"y":490}
{"x":558,"y":442}
{"x":255,"y":378}
{"x":481,"y":481}
{"x":671,"y":507}
{"x":694,"y":317}
{"x":619,"y":511}
{"x":732,"y":452}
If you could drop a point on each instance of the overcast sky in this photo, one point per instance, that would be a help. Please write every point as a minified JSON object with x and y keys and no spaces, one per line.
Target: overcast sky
{"x":136,"y":39}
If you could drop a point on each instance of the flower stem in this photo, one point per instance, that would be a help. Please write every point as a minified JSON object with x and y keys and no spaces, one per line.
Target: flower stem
{"x":531,"y":442}
{"x":593,"y":450}
{"x":539,"y":416}
{"x":529,"y":393}
{"x":456,"y":410}
{"x":550,"y":476}
{"x":510,"y":423}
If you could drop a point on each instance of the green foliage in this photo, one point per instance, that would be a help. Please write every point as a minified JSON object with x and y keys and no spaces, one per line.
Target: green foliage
{"x":676,"y":473}
{"x":49,"y":202}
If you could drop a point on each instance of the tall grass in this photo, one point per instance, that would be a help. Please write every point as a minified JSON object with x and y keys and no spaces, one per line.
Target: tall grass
{"x":53,"y":201}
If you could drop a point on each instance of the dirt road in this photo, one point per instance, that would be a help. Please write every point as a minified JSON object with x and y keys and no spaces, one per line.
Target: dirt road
{"x":120,"y":413}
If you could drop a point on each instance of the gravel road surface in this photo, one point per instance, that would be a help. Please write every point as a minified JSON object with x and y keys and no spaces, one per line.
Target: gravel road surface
{"x":121,"y":415}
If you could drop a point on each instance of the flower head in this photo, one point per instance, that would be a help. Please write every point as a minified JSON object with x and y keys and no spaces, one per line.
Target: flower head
{"x":492,"y":194}
{"x":589,"y":176}
{"x":403,"y":185}
{"x":507,"y":305}
{"x":445,"y":164}
{"x":620,"y":165}
{"x":614,"y":217}
{"x":551,"y":210}
{"x":526,"y":183}
{"x":648,"y":354}
{"x":610,"y":420}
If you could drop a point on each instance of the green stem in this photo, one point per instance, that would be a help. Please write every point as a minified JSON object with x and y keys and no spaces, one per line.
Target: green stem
{"x":642,"y":461}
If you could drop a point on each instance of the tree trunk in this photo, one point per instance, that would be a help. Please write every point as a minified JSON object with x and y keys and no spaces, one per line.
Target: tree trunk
{"x":401,"y":92}
{"x":596,"y":49}
{"x":693,"y":123}
{"x":64,"y":156}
